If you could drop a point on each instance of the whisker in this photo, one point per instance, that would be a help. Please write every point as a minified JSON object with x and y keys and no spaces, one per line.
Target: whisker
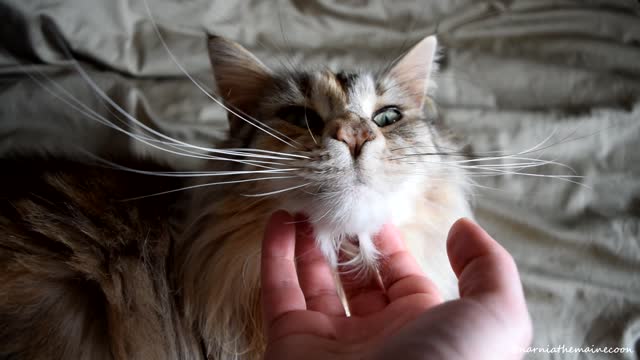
{"x":191,"y":173}
{"x":495,"y":157}
{"x":106,"y":98}
{"x":197,"y":84}
{"x":533,"y":162}
{"x":499,"y":172}
{"x":284,"y":40}
{"x":209,"y":184}
{"x":306,"y":120}
{"x":276,"y":192}
{"x":268,"y":152}
{"x":91,"y":114}
{"x":322,"y":217}
{"x":456,"y":152}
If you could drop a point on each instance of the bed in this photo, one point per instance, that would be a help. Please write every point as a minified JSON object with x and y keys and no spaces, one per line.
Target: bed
{"x":557,"y":80}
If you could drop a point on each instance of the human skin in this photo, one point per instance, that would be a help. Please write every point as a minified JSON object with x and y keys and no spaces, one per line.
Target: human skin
{"x":402,"y":315}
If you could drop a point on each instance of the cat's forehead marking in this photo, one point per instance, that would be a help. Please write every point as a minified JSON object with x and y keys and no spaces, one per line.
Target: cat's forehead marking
{"x":333,"y":94}
{"x":362,"y":96}
{"x":327,"y":95}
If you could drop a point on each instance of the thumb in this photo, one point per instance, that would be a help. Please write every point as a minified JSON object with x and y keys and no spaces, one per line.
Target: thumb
{"x":486,"y":271}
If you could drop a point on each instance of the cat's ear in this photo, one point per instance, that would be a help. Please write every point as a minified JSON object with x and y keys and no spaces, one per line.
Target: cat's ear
{"x":240,"y":77}
{"x":413,"y":72}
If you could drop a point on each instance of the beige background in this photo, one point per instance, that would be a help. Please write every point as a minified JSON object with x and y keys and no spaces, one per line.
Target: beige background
{"x":513,"y":73}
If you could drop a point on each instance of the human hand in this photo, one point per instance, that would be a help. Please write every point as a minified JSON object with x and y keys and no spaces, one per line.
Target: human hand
{"x":402,"y":317}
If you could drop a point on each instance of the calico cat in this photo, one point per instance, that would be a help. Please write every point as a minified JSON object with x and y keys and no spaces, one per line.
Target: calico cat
{"x":84,"y":274}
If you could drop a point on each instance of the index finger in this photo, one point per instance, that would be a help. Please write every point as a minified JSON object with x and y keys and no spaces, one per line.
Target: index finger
{"x":281,"y":291}
{"x":400,"y":272}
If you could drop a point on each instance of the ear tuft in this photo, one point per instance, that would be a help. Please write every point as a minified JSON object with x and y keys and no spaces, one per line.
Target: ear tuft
{"x":413,"y":72}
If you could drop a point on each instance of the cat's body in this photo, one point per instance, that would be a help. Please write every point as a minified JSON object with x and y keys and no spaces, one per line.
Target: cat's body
{"x":83,"y":274}
{"x":176,"y":276}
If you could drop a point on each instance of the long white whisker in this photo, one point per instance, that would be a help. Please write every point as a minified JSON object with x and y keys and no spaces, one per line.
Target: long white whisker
{"x":209,"y":184}
{"x":498,"y":172}
{"x":321,"y":217}
{"x":532,"y":162}
{"x":106,"y":98}
{"x":175,"y":60}
{"x":240,"y":150}
{"x":192,"y":173}
{"x":276,"y":192}
{"x":91,"y":114}
{"x":458,"y":153}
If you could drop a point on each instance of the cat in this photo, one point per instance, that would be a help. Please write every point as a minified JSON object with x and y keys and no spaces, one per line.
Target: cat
{"x":176,"y":276}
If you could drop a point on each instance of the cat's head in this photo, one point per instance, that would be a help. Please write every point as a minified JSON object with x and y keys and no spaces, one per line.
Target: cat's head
{"x":353,"y":131}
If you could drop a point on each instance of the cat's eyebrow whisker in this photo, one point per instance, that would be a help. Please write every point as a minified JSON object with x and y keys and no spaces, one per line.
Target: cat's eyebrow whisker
{"x":119,"y":109}
{"x":79,"y":106}
{"x":277,"y":191}
{"x":106,"y":98}
{"x":210,"y":184}
{"x":197,"y":84}
{"x":91,"y":114}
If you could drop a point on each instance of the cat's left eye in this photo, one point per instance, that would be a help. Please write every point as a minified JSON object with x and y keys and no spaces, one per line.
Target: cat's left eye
{"x":302,"y":116}
{"x":387,"y":116}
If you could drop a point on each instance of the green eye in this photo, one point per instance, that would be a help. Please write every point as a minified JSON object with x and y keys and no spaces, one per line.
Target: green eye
{"x":387,"y":116}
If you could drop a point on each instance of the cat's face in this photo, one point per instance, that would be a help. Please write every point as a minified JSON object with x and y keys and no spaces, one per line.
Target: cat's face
{"x":352,"y":130}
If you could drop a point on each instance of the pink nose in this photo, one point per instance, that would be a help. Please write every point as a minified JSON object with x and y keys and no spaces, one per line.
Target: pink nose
{"x":355,"y":135}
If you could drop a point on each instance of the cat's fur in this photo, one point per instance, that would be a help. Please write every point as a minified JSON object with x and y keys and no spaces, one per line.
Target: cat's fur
{"x":85,"y":275}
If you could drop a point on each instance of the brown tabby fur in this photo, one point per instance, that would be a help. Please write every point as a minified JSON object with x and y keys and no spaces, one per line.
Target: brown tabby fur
{"x":84,"y":273}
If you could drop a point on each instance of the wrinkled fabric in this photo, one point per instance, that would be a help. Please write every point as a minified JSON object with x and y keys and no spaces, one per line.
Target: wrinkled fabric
{"x":560,"y":75}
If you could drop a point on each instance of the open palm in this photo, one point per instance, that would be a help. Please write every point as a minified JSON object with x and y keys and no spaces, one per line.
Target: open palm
{"x":305,"y":319}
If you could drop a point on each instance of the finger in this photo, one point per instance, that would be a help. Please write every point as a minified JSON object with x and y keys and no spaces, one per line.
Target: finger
{"x":363,"y":289}
{"x":314,"y":274}
{"x":486,"y":271}
{"x":400,"y":272}
{"x":281,"y":291}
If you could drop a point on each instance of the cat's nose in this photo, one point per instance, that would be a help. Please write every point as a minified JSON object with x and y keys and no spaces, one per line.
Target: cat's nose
{"x":355,"y":135}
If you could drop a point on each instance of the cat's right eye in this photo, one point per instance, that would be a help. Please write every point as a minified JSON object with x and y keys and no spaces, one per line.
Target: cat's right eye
{"x":387,"y":116}
{"x":303,"y":117}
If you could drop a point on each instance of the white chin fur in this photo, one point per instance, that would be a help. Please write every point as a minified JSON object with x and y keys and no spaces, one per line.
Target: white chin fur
{"x":358,"y":213}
